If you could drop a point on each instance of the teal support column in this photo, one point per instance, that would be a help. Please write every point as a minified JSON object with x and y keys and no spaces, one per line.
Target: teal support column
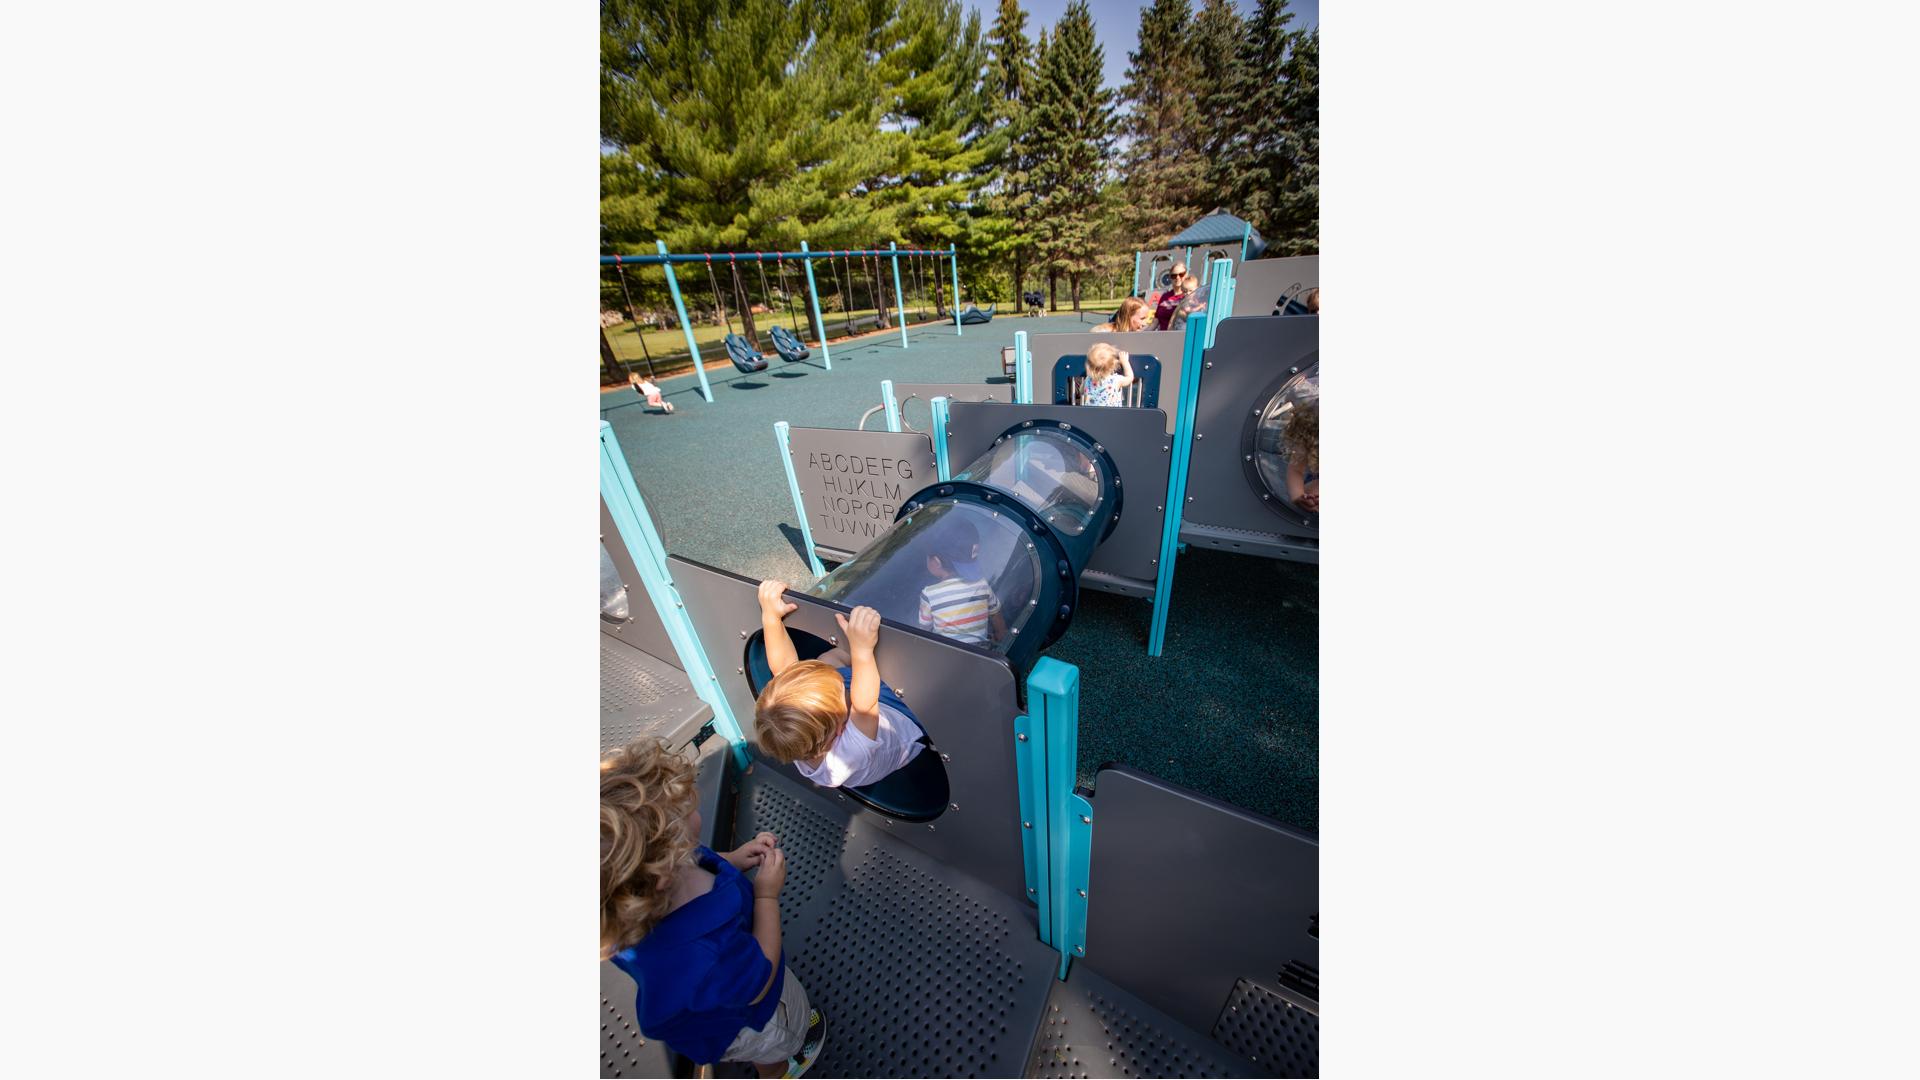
{"x":1061,"y":818}
{"x":1136,"y":273}
{"x":899,"y":304}
{"x":893,"y":405}
{"x":953,"y":258}
{"x":813,"y":304}
{"x":780,"y":429}
{"x":942,"y":468}
{"x":630,"y":516}
{"x":680,"y":309}
{"x":1246,"y":239}
{"x":1022,"y":370}
{"x":1192,"y":359}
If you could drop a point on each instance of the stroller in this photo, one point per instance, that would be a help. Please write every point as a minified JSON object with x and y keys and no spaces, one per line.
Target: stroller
{"x":1034,"y":302}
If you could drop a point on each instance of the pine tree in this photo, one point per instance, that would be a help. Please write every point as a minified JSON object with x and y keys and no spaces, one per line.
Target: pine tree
{"x":1005,"y":227}
{"x":1164,"y":164}
{"x":1217,"y":31}
{"x":1073,"y":128}
{"x":1294,"y":228}
{"x":1258,"y":154}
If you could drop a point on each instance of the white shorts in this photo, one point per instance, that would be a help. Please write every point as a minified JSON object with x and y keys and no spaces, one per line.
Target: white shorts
{"x":784,"y":1034}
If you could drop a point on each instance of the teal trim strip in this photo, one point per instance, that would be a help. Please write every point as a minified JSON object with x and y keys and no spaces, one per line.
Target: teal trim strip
{"x":941,"y":467}
{"x":813,"y":301}
{"x":1022,"y":370}
{"x":953,"y":255}
{"x":1031,"y":774}
{"x":1191,"y":361}
{"x":900,"y":305}
{"x":680,"y":309}
{"x":1079,"y":863}
{"x":1053,"y":705}
{"x":780,"y":430}
{"x":1136,"y":273}
{"x":630,"y":516}
{"x":893,"y":405}
{"x":1245,"y":239}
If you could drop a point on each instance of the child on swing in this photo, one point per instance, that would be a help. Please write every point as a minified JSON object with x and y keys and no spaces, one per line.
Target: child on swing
{"x":649,"y":391}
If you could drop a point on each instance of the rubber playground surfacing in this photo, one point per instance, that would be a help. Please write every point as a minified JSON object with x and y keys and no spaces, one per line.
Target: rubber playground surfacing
{"x":1232,"y":707}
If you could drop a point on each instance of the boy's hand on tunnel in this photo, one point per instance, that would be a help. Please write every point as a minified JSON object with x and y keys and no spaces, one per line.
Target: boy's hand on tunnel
{"x":863,"y":630}
{"x":771,"y":875}
{"x":773,"y":603}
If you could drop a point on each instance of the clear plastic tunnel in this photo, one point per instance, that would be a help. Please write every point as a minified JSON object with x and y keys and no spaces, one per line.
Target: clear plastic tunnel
{"x":992,"y":557}
{"x":1286,"y":446}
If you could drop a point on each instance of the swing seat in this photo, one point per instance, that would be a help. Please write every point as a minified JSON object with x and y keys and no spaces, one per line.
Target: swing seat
{"x":973,"y":315}
{"x":788,"y":346}
{"x":744,"y":356}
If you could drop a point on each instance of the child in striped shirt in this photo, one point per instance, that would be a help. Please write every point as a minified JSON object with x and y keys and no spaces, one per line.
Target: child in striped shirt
{"x":960,"y":604}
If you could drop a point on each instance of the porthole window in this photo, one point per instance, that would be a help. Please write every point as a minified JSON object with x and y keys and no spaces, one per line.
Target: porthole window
{"x":1286,"y":446}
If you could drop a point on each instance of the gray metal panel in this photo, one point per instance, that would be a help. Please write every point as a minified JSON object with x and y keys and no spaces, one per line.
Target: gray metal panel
{"x":1265,"y":1026}
{"x":919,"y":969}
{"x":1149,"y":273}
{"x":853,"y":482}
{"x":642,"y":695}
{"x":926,"y":392}
{"x":1248,"y":357}
{"x":1222,"y":893}
{"x":1094,"y":1028}
{"x":643,"y":628}
{"x":623,"y":1050}
{"x":1135,"y":439}
{"x":1166,"y":346}
{"x":963,"y":697}
{"x":1259,"y":283}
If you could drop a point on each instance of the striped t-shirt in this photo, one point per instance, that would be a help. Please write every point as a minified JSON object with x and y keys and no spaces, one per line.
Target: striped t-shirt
{"x":958,"y":609}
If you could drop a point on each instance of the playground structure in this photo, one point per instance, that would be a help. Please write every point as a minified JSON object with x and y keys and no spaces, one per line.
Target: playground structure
{"x":1217,"y":236}
{"x":975,"y":913}
{"x":743,"y":349}
{"x":1204,"y":455}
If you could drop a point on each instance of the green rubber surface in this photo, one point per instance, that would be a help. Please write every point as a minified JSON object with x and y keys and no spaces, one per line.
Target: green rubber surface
{"x":1232,"y":707}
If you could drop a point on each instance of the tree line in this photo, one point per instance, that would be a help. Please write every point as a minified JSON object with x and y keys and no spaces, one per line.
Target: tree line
{"x":750,"y":124}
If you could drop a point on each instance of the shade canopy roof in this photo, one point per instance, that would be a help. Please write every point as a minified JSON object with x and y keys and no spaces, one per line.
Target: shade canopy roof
{"x":1220,"y":227}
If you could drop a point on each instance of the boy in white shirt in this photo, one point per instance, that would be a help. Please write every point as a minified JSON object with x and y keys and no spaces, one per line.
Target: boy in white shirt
{"x":838,"y":726}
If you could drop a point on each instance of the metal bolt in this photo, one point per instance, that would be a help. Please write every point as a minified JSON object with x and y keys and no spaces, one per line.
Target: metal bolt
{"x":834,"y":639}
{"x":1085,"y":820}
{"x":1197,"y":435}
{"x":1161,"y":509}
{"x":1189,"y":498}
{"x":743,"y":635}
{"x":1080,"y":950}
{"x":929,"y":828}
{"x":739,"y":671}
{"x":946,"y":757}
{"x":1264,"y":498}
{"x":1293,"y":371}
{"x":1082,"y":892}
{"x":1026,"y":824}
{"x":953,"y":806}
{"x":1030,"y":889}
{"x":1163,"y":449}
{"x":1249,"y":457}
{"x":1209,"y":363}
{"x":1022,"y":737}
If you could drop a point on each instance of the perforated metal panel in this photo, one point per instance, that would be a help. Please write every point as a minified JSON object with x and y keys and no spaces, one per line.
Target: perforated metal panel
{"x":643,"y":695}
{"x":1094,"y":1028}
{"x":1261,"y":1025}
{"x":919,"y":969}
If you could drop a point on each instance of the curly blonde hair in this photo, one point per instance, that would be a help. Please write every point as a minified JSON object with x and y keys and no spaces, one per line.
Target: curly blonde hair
{"x":1302,"y":433}
{"x":646,"y":793}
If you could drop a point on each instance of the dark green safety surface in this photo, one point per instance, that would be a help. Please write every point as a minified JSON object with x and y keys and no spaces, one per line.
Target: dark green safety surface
{"x":1231,"y":709}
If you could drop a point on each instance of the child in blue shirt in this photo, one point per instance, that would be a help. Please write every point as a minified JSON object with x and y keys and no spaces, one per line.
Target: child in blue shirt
{"x":700,"y":939}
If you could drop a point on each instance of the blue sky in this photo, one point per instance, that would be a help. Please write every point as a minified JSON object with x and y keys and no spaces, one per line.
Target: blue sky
{"x":1116,"y":23}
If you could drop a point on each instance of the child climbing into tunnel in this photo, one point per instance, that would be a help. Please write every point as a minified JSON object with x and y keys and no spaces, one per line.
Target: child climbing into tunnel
{"x":831,"y":718}
{"x":701,"y":940}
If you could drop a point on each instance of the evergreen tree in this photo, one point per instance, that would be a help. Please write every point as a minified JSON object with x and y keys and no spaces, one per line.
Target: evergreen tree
{"x":1216,"y":54}
{"x":1073,"y":135}
{"x":1164,"y":164}
{"x":1294,"y":228}
{"x":1258,"y":154}
{"x":1005,"y":227}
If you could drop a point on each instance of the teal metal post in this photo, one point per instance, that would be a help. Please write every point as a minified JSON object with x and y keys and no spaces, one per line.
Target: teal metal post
{"x":630,"y":516}
{"x":1022,"y":370}
{"x":1191,"y":360}
{"x":892,"y":403}
{"x":813,"y":303}
{"x":1136,"y":273}
{"x":1063,"y":819}
{"x":780,"y":429}
{"x":680,"y":309}
{"x":899,"y":303}
{"x":1245,"y":239}
{"x":942,"y":468}
{"x":953,"y":258}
